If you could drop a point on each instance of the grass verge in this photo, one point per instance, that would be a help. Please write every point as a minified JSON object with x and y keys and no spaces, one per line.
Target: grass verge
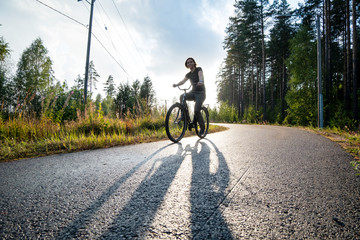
{"x":68,"y":140}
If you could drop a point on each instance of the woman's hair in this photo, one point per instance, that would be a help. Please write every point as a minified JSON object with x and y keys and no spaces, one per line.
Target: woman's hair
{"x":188,"y":59}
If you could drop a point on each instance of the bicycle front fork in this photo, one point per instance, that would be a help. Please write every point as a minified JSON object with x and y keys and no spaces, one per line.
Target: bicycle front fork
{"x":190,"y":126}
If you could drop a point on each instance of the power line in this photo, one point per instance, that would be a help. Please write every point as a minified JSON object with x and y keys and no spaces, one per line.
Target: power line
{"x":137,"y":49}
{"x":107,"y":35}
{"x":91,"y":34}
{"x":109,"y":38}
{"x":116,"y":30}
{"x":61,"y":13}
{"x":113,"y":57}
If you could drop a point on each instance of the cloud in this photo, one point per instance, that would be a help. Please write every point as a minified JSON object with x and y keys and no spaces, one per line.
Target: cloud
{"x":142,"y":37}
{"x":167,"y":32}
{"x":212,"y":15}
{"x":175,"y":32}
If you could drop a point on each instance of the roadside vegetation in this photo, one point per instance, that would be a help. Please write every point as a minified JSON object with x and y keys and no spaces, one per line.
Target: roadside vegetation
{"x":24,"y":136}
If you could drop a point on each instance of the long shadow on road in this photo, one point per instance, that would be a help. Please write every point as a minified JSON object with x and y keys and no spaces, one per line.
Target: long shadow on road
{"x":136,"y":216}
{"x":72,"y":230}
{"x":209,"y":183}
{"x":210,"y":179}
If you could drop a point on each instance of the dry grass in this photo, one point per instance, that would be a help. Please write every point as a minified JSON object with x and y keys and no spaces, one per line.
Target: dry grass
{"x":31,"y":137}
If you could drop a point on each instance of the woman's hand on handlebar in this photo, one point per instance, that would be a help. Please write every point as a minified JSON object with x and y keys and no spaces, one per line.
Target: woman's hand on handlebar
{"x":175,"y":85}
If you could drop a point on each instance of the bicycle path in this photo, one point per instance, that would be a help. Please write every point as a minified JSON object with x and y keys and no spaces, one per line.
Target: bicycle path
{"x":247,"y":182}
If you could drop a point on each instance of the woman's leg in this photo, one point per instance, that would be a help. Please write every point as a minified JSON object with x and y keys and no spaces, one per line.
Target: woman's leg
{"x":199,"y":99}
{"x":190,"y":96}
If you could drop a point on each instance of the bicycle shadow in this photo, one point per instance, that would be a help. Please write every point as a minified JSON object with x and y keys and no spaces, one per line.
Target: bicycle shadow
{"x":81,"y":221}
{"x":134,"y":220}
{"x":210,"y":179}
{"x":207,"y":193}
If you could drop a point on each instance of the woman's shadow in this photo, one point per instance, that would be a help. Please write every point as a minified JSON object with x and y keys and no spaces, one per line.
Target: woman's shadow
{"x":135,"y":218}
{"x":138,"y":213}
{"x":210,"y":179}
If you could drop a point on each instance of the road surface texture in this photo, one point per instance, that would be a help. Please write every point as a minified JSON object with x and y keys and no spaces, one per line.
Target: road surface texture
{"x":248,"y":182}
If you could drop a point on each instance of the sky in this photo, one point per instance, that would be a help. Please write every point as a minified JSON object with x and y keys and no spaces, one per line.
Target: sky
{"x":131,"y":39}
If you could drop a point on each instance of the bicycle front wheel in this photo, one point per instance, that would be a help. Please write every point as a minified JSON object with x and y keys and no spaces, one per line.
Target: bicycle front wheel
{"x":175,"y":122}
{"x":202,"y":129}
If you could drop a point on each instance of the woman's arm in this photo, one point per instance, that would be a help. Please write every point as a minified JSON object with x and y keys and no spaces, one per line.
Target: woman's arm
{"x":201,"y":78}
{"x":181,"y":82}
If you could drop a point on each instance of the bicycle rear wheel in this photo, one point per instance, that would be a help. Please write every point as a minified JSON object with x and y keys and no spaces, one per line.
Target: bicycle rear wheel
{"x":205,"y":116}
{"x":175,"y":122}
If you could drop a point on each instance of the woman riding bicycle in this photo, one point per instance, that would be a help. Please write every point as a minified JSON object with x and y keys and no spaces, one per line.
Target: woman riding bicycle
{"x":197,"y":93}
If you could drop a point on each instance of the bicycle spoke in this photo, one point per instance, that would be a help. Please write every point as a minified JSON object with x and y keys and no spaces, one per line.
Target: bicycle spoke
{"x":175,"y":123}
{"x":202,"y":124}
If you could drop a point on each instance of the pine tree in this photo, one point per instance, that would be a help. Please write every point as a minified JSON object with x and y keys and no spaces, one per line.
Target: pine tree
{"x":124,"y":102}
{"x":93,"y":76}
{"x":147,"y":93}
{"x":278,"y":52}
{"x":109,"y":87}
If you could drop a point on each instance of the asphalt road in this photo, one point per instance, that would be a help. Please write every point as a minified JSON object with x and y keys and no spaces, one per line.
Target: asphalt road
{"x":258,"y":182}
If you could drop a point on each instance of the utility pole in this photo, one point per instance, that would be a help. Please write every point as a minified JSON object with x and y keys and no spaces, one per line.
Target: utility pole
{"x":88,"y":52}
{"x":263,"y":60}
{"x":319,"y":76}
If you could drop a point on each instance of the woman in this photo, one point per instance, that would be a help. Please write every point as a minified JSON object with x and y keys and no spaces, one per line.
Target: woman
{"x":197,"y":93}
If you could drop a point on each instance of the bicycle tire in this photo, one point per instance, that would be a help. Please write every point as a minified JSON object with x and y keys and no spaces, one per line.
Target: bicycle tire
{"x":205,"y":114}
{"x":176,"y":122}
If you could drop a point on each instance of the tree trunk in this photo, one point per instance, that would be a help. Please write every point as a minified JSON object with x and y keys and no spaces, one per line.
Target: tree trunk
{"x":252,"y":83}
{"x":258,"y":74}
{"x":233,"y":85}
{"x":239,"y":92}
{"x":283,"y":89}
{"x":328,"y":80}
{"x":242,"y":92}
{"x":345,"y":81}
{"x":355,"y":64}
{"x":348,"y":57}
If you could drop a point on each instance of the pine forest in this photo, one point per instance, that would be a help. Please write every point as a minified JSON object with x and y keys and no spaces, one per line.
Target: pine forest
{"x":270,"y":73}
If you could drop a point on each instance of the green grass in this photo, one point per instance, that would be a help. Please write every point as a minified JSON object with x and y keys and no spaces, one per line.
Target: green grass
{"x":31,"y":137}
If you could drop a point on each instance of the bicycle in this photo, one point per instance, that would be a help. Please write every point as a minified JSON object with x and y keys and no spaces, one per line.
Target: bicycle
{"x":178,"y":120}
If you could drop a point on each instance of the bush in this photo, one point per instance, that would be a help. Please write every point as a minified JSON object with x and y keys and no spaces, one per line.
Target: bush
{"x":151,"y":123}
{"x":228,"y":113}
{"x":341,"y":119}
{"x":253,"y":116}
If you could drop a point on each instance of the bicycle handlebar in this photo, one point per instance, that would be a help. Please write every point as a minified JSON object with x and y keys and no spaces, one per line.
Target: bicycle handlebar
{"x":185,"y":89}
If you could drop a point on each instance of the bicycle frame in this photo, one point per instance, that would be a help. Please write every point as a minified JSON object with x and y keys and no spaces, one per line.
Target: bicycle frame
{"x":184,"y":103}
